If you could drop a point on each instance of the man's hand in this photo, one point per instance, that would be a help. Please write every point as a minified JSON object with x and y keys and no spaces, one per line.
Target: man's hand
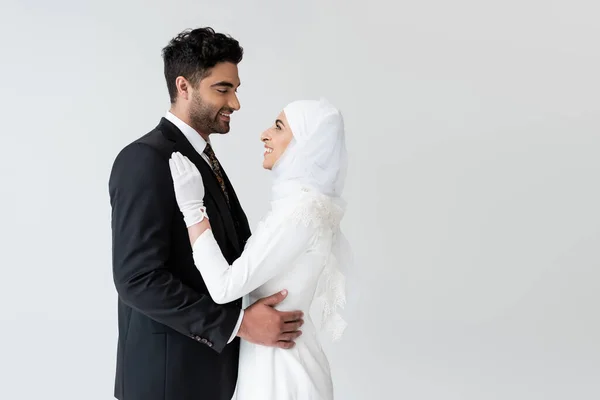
{"x":264,"y":325}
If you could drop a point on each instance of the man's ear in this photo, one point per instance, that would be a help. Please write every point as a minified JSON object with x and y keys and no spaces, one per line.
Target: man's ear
{"x":183,"y":87}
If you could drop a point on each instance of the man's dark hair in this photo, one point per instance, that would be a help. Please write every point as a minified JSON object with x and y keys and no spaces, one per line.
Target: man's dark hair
{"x":193,"y":53}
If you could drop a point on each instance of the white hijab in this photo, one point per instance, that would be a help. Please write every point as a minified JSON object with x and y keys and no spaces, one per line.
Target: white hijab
{"x":317,"y":157}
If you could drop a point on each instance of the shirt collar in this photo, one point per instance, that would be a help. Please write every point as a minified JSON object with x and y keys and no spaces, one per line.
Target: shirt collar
{"x":197,"y":141}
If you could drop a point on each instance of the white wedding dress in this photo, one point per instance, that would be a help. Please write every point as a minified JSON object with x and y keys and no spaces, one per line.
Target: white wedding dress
{"x":293,"y":248}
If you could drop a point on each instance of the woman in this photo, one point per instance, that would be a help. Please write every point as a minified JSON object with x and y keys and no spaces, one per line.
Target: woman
{"x":297,"y":246}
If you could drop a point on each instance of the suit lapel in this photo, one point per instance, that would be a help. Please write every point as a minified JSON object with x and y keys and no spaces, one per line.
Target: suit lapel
{"x":211,"y":185}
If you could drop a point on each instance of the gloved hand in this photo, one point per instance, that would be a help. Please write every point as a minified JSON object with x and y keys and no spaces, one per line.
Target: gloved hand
{"x":189,"y":189}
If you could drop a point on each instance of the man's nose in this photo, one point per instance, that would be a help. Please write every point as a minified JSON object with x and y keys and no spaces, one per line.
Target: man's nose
{"x":234,"y":103}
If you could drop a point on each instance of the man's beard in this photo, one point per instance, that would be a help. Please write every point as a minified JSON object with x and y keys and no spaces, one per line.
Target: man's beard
{"x":205,"y":118}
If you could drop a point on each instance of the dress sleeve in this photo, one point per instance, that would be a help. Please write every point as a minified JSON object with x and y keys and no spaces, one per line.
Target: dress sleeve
{"x":272,"y":249}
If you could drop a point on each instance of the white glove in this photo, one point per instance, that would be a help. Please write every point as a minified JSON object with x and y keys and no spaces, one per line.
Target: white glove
{"x":189,"y":189}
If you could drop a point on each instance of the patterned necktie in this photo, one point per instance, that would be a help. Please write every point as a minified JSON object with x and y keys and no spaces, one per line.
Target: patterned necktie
{"x":216,"y":167}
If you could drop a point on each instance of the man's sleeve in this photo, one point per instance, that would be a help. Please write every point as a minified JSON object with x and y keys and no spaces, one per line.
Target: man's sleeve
{"x":237,"y":327}
{"x":143,"y":203}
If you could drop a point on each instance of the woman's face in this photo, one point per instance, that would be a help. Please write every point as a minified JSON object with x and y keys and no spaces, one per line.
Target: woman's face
{"x":276,"y":140}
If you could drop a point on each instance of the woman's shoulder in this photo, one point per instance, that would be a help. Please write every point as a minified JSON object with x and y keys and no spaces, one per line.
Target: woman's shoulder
{"x":309,"y":207}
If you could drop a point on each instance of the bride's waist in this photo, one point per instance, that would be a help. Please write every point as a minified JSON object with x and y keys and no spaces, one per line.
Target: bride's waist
{"x":288,"y":304}
{"x":309,"y":336}
{"x":307,"y":346}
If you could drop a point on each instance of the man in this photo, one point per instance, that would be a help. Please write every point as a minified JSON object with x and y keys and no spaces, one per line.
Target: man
{"x":175,"y":343}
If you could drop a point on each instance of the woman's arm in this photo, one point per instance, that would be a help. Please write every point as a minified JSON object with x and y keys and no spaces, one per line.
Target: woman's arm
{"x":272,"y":249}
{"x":198,"y":229}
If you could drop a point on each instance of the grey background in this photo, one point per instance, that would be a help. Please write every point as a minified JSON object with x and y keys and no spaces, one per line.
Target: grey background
{"x":473,"y":131}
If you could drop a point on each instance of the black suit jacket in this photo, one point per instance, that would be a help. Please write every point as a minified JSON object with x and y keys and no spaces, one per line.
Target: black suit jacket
{"x":172,"y":337}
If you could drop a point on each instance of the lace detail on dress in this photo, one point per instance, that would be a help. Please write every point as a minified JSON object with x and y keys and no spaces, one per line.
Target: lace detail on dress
{"x":321,"y":211}
{"x":333,"y":297}
{"x":318,"y":209}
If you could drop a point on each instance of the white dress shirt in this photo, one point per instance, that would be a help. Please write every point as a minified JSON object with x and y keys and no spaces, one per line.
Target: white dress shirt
{"x":199,"y":144}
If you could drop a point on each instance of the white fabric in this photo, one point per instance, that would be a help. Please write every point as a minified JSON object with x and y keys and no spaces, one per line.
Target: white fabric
{"x":289,"y":249}
{"x":317,"y":157}
{"x":199,"y":144}
{"x":317,"y":154}
{"x":299,"y":247}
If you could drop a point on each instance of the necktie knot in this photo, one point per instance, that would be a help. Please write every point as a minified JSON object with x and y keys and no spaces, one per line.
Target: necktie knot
{"x":208,"y":150}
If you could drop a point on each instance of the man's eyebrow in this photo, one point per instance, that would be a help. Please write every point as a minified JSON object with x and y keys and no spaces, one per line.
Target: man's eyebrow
{"x":224,"y":83}
{"x":279,"y":121}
